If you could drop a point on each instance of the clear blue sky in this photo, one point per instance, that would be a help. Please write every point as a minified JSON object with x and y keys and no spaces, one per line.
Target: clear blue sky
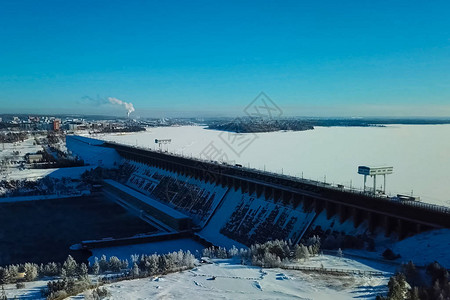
{"x":313,"y":58}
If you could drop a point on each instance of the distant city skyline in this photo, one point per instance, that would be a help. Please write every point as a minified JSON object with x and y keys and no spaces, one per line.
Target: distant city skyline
{"x":200,"y":58}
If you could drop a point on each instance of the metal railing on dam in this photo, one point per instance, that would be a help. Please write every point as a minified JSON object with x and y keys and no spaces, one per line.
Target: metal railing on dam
{"x":429,"y":215}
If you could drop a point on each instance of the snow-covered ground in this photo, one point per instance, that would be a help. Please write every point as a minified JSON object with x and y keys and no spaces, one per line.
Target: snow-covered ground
{"x":235,"y":281}
{"x":11,"y":154}
{"x":422,"y":249}
{"x":42,"y":197}
{"x":27,"y":146}
{"x":418,"y":153}
{"x":32,"y":290}
{"x":34,"y":174}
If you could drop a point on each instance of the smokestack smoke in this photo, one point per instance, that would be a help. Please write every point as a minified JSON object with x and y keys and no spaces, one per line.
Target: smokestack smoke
{"x":128,"y":106}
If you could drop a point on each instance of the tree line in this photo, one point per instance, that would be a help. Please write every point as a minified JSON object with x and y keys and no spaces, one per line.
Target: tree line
{"x":13,"y":137}
{"x":411,"y":283}
{"x":271,"y":254}
{"x":74,"y":277}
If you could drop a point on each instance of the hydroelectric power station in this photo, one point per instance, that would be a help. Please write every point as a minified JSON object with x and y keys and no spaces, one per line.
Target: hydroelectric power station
{"x":227,"y":205}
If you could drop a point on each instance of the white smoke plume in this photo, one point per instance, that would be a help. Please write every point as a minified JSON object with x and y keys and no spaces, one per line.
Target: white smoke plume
{"x":128,"y":106}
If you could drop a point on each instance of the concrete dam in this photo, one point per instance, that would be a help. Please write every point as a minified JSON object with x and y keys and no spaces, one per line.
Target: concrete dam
{"x":231,"y":205}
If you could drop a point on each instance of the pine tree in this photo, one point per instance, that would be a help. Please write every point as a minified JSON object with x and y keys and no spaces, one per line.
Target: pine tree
{"x":233,"y":251}
{"x":3,"y":294}
{"x":4,"y":276}
{"x":151,"y":265}
{"x":411,"y":274}
{"x":114,"y":264}
{"x":339,"y":253}
{"x":13,"y":271}
{"x":162,"y":264}
{"x":135,"y":270}
{"x":304,"y":252}
{"x":50,"y":269}
{"x":124,"y":264}
{"x":170,"y":260}
{"x":188,"y":259}
{"x":180,"y":257}
{"x":103,"y":263}
{"x":414,"y":294}
{"x":134,"y":258}
{"x":397,"y":287}
{"x":95,"y":268}
{"x":70,"y":266}
{"x":31,"y":271}
{"x":83,"y":272}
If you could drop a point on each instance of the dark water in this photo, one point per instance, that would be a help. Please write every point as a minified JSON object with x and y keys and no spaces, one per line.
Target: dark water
{"x":43,"y":231}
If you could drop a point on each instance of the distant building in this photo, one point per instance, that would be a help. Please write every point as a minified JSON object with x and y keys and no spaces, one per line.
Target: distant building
{"x":56,"y":125}
{"x":75,"y":125}
{"x":34,"y":158}
{"x":44,"y":126}
{"x":27,"y":126}
{"x":33,"y":119}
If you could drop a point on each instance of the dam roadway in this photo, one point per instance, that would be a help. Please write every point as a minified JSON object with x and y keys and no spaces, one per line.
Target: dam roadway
{"x":404,"y":218}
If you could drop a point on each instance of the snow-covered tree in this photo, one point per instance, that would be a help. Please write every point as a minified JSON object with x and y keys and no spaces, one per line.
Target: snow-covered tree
{"x":233,"y":251}
{"x":13,"y":271}
{"x":151,"y":266}
{"x":188,"y":259}
{"x":162,"y":264}
{"x":103,"y":263}
{"x":171,"y":259}
{"x":222,"y":252}
{"x":5,"y":277}
{"x":134,"y":258}
{"x":302,"y":252}
{"x":124,"y":264}
{"x":3,"y":294}
{"x":51,"y":269}
{"x":70,"y":267}
{"x":83,"y":272}
{"x":31,"y":271}
{"x":135,"y":272}
{"x":95,"y":268}
{"x":397,"y":287}
{"x":206,"y":252}
{"x":114,"y":264}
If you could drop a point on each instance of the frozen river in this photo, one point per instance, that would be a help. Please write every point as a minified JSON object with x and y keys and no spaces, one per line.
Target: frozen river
{"x":420,"y":154}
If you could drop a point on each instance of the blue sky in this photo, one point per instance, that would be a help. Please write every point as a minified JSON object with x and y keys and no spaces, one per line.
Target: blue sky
{"x":313,"y":58}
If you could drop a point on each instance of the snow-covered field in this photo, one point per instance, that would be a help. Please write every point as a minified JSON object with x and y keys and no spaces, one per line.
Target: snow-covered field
{"x":235,"y":281}
{"x":418,"y":153}
{"x":422,"y":249}
{"x":34,"y":174}
{"x":12,"y":153}
{"x":27,"y":146}
{"x":32,"y":290}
